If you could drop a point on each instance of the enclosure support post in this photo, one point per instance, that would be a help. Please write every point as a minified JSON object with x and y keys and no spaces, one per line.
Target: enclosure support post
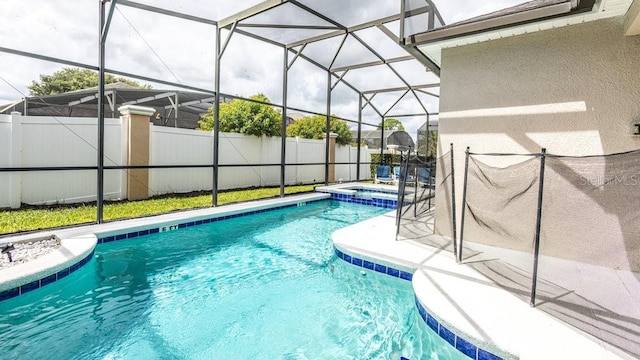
{"x":453,"y":206}
{"x":464,"y":202}
{"x":382,"y":146}
{"x":216,"y":121}
{"x":328,"y":131}
{"x":403,"y":14}
{"x":427,"y":139}
{"x":415,"y":186}
{"x":402,"y":184}
{"x":283,"y":146}
{"x":176,"y":106}
{"x":358,"y":143}
{"x":400,"y":199}
{"x":427,"y":152}
{"x":536,"y":244}
{"x":100,"y":176}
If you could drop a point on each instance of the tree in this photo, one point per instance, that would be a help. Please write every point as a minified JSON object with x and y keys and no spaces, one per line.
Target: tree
{"x":315,"y":127}
{"x":391,"y":124}
{"x":70,"y":79}
{"x":245,"y":117}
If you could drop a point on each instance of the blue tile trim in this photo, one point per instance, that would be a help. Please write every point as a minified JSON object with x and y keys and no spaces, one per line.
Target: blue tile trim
{"x":188,"y":223}
{"x":20,"y":290}
{"x":466,"y":348}
{"x":485,"y":355}
{"x":107,"y":239}
{"x":459,"y":343}
{"x":406,"y":275}
{"x":388,"y":270}
{"x":422,"y":312}
{"x":447,"y":335}
{"x":48,"y":280}
{"x":8,"y":294}
{"x":391,"y":271}
{"x":29,"y":287}
{"x":63,"y":273}
{"x":432,"y":323}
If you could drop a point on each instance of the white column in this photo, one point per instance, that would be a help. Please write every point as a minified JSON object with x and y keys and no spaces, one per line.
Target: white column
{"x":137,"y":121}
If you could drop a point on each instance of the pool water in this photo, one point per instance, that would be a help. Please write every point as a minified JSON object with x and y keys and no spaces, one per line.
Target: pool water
{"x":264,"y":286}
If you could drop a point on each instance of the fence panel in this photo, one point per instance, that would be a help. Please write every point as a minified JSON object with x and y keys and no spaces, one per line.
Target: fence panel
{"x":310,"y":151}
{"x":171,"y":146}
{"x":47,"y":141}
{"x":590,"y":210}
{"x":501,"y":203}
{"x":499,"y":220}
{"x":345,"y":172}
{"x":270,"y":153}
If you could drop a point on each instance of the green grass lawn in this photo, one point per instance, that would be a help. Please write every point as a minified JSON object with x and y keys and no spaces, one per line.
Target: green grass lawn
{"x":26,"y":219}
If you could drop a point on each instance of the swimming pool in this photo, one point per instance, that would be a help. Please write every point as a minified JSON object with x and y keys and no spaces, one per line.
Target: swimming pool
{"x":263,"y":286}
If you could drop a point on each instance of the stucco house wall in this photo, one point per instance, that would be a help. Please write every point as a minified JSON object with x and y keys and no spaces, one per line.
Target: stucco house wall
{"x":573,"y":90}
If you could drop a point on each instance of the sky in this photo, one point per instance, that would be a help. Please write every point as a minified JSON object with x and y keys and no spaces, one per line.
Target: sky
{"x":183,"y":52}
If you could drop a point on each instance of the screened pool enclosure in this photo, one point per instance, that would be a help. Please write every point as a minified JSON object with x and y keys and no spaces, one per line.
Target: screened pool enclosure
{"x":175,"y":62}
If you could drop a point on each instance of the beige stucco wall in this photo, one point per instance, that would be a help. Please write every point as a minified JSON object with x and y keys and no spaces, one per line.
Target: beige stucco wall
{"x":573,"y":90}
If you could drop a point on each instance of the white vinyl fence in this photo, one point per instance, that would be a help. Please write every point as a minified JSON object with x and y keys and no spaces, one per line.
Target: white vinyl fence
{"x":33,"y":141}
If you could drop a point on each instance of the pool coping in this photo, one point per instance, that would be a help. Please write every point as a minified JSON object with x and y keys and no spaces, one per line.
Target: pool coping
{"x":78,"y":243}
{"x":73,"y":253}
{"x":446,"y":296}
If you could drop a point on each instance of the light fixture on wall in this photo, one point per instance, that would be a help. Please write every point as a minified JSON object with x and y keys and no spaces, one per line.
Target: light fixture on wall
{"x":636,"y":129}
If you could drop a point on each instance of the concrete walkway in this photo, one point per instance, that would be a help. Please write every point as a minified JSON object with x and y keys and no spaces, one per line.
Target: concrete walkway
{"x":583,"y":311}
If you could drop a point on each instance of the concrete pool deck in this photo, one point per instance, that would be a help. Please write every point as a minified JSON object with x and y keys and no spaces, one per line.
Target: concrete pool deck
{"x":601,"y":321}
{"x":600,"y":301}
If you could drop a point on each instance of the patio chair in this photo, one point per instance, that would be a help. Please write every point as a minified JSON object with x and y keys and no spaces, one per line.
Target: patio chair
{"x":396,"y":174}
{"x":383,"y":175}
{"x":424,"y":177}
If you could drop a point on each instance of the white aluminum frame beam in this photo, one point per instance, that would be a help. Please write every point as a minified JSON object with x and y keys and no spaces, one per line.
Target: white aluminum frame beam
{"x":373,"y":63}
{"x":150,"y":98}
{"x":162,"y":11}
{"x":402,"y":88}
{"x":252,"y":11}
{"x":88,"y":98}
{"x":193,"y":102}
